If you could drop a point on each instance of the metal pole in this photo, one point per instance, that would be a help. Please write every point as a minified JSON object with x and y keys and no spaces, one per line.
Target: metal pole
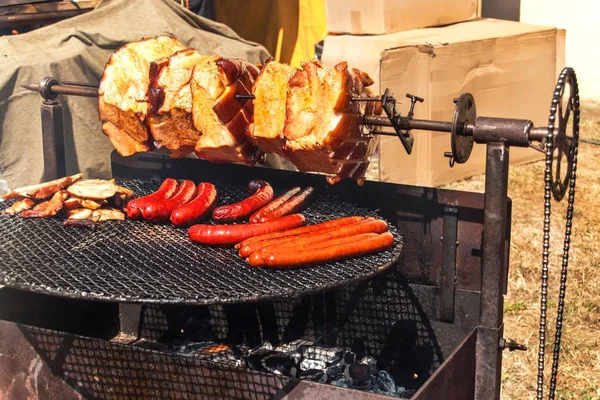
{"x":488,"y":365}
{"x":53,"y":140}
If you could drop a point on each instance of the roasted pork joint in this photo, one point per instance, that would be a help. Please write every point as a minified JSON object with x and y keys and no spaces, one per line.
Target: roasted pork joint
{"x":222,"y":118}
{"x":324,"y":131}
{"x":122,"y":95}
{"x":170,"y":96}
{"x":307,"y":116}
{"x":270,"y":95}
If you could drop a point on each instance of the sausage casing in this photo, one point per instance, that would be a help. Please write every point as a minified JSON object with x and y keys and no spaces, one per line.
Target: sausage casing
{"x":167,"y":188}
{"x":234,"y":233}
{"x":262,"y":194}
{"x":198,"y":208}
{"x":160,"y":211}
{"x":288,"y":259}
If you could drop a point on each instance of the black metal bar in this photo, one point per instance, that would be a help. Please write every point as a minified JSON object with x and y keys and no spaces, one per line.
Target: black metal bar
{"x":53,"y":141}
{"x":449,"y":243}
{"x":405,"y":123}
{"x":84,"y":91}
{"x":49,"y":88}
{"x":489,"y":356}
{"x":130,"y":316}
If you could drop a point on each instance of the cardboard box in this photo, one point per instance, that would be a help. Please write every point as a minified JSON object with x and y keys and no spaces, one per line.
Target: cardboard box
{"x":360,"y":17}
{"x":510,"y":68}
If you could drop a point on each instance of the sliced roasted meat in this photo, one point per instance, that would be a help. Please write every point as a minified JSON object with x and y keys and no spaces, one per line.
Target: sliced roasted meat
{"x":96,"y":189}
{"x":48,"y":208}
{"x":43,"y":190}
{"x":74,"y":203}
{"x":323,"y":129}
{"x":222,"y":118}
{"x":19,"y":206}
{"x":122,"y":95}
{"x":105,"y":214}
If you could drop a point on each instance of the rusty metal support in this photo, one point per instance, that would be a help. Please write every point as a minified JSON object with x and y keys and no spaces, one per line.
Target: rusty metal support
{"x":448,"y":282}
{"x":53,"y":140}
{"x":513,"y":132}
{"x":488,"y":352}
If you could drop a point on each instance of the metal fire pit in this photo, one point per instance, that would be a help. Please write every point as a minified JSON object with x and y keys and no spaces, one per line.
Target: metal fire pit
{"x":418,"y":319}
{"x":425,"y":322}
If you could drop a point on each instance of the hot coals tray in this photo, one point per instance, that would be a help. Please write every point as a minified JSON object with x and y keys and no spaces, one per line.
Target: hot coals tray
{"x":137,"y":261}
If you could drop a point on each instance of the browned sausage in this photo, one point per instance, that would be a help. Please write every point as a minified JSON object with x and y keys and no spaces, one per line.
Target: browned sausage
{"x":262,"y":194}
{"x":376,"y":226}
{"x":198,"y":208}
{"x":232,"y":234}
{"x":250,"y":248}
{"x":167,"y":188}
{"x":256,"y":259}
{"x":290,"y":206}
{"x":273,"y":205}
{"x":311,"y":228}
{"x":160,"y":211}
{"x":287,"y":259}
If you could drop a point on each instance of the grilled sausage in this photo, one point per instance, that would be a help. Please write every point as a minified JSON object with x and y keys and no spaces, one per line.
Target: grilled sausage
{"x":250,"y":248}
{"x":160,"y":211}
{"x":305,"y":229}
{"x":290,"y":206}
{"x":257,"y":259}
{"x":197,"y":209}
{"x":272,"y":206}
{"x":262,"y":194}
{"x":232,"y":234}
{"x":287,"y":259}
{"x":167,"y":188}
{"x":304,"y":241}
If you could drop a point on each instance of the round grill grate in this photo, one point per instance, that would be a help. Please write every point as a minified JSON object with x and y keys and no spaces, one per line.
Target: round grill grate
{"x":137,"y":261}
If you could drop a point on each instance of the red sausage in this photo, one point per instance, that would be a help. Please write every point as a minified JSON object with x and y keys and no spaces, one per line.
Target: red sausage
{"x":250,"y":248}
{"x":290,"y":206}
{"x":376,"y":226}
{"x":305,"y":229}
{"x":160,"y":211}
{"x":197,"y":209}
{"x":232,"y":234}
{"x":262,"y":195}
{"x":287,"y":259}
{"x":257,"y":259}
{"x":167,"y":188}
{"x":272,"y":206}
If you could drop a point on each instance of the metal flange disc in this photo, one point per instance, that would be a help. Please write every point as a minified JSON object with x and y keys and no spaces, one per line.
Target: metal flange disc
{"x":464,"y":113}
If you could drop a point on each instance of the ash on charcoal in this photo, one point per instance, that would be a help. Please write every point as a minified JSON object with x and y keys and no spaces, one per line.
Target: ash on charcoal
{"x":331,"y":365}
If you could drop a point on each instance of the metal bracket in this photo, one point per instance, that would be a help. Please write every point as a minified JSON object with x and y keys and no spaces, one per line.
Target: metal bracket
{"x":388,"y":103}
{"x":130,"y":318}
{"x":449,"y":245}
{"x":53,"y":140}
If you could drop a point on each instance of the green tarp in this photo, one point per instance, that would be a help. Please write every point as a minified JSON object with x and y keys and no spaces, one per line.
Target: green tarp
{"x":77,"y":50}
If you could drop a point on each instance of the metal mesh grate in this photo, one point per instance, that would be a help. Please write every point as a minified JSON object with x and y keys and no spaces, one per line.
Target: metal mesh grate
{"x":134,"y":261}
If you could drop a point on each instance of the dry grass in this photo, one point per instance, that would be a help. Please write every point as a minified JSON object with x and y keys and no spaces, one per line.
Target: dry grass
{"x":579,"y":373}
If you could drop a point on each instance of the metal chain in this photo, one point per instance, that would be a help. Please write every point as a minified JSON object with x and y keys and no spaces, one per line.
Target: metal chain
{"x":569,"y":223}
{"x":546,"y":242}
